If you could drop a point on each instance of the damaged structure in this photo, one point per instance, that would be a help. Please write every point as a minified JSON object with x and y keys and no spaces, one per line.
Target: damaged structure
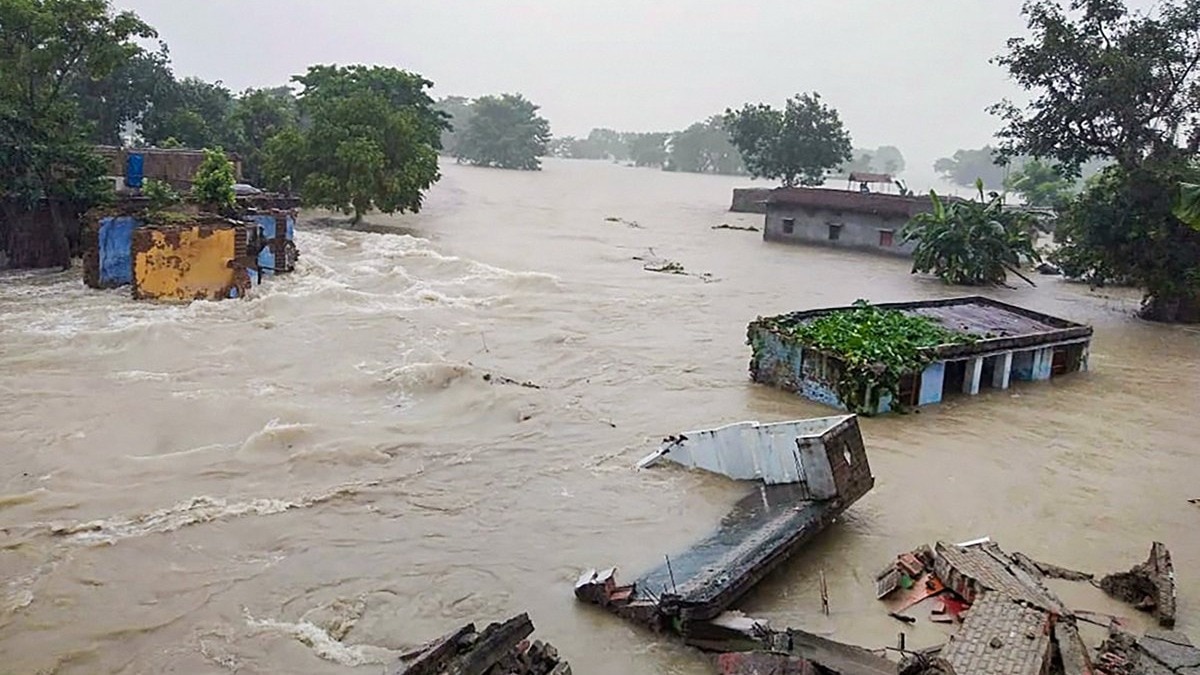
{"x":1000,"y":343}
{"x":1010,"y":621}
{"x":192,"y":255}
{"x":813,"y":471}
{"x":499,"y":649}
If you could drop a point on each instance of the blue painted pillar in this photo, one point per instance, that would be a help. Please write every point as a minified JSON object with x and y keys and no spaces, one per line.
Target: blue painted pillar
{"x":1003,"y":370}
{"x":1043,"y":362}
{"x":973,"y":376}
{"x":932,"y":380}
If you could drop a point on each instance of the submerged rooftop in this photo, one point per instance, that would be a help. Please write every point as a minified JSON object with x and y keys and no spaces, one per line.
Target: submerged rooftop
{"x":997,"y":325}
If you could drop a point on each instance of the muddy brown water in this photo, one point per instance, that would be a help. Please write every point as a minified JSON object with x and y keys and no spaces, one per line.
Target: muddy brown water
{"x":318,"y":477}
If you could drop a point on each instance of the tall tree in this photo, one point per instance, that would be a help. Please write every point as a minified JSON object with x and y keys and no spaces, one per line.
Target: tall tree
{"x":1111,"y":82}
{"x":506,"y":132}
{"x":45,"y":152}
{"x":124,"y":95}
{"x":370,"y":141}
{"x":259,"y":115}
{"x":796,"y":145}
{"x":705,"y":147}
{"x":192,"y":112}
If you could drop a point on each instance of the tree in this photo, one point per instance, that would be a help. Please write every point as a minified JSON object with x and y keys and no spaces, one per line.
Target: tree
{"x":259,"y":115}
{"x":195,"y":113}
{"x":1123,"y":85}
{"x":705,"y":147}
{"x":647,"y":149}
{"x":123,"y":96}
{"x":966,"y":167}
{"x":212,"y":185}
{"x":797,"y":145}
{"x":370,"y":141}
{"x":1040,"y":184}
{"x":506,"y":132}
{"x":45,"y":156}
{"x":457,"y":111}
{"x":970,"y":243}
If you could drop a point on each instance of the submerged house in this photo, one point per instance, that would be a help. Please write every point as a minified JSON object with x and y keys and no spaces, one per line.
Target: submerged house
{"x":842,"y":218}
{"x":989,"y":344}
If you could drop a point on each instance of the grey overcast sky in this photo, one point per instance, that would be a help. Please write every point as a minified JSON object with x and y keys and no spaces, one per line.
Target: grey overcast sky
{"x":909,"y":73}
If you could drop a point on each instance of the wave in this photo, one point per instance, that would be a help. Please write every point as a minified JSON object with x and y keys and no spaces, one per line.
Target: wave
{"x":325,"y":628}
{"x":201,"y":509}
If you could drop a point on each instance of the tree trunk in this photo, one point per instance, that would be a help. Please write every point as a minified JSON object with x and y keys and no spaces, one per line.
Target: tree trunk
{"x":36,"y":237}
{"x":1178,"y":307}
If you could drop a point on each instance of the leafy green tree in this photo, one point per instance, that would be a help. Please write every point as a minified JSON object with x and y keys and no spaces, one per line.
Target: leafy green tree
{"x":124,"y":95}
{"x":705,"y":147}
{"x":607,"y":144}
{"x":648,"y":149}
{"x":195,"y":113}
{"x":212,"y":185}
{"x":369,"y":140}
{"x":45,"y":152}
{"x":259,"y":115}
{"x":1109,"y":82}
{"x":796,"y":145}
{"x":1040,"y":184}
{"x":966,"y":167}
{"x":506,"y":132}
{"x":970,"y":243}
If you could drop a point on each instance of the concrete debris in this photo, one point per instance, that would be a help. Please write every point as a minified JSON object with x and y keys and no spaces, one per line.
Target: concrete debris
{"x":799,"y":451}
{"x":500,"y":649}
{"x":1013,"y":623}
{"x":691,"y":593}
{"x":1156,"y":653}
{"x":1149,"y":586}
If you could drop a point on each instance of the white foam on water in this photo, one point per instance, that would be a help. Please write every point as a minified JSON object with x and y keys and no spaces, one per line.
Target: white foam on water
{"x":200,"y":509}
{"x":325,"y":631}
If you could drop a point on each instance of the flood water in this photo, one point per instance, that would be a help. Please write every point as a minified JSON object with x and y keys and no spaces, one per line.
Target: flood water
{"x":319,"y":477}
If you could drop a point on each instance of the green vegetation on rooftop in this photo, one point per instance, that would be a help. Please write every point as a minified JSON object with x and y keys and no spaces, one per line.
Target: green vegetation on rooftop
{"x":876,"y":347}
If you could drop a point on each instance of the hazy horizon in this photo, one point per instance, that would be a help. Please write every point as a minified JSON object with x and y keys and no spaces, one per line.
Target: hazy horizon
{"x":919,"y":80}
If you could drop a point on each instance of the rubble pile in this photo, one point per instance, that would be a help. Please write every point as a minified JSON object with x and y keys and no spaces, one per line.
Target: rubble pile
{"x":1009,"y":621}
{"x":500,"y":649}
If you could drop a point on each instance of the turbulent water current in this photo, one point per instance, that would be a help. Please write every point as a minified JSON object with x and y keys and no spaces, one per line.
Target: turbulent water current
{"x":320,"y":477}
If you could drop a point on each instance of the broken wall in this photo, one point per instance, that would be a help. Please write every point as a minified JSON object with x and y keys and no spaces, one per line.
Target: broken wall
{"x":191,"y":262}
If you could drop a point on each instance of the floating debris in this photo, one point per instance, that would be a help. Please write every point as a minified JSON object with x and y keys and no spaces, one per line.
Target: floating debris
{"x":741,"y":228}
{"x":500,"y":649}
{"x":1149,"y":586}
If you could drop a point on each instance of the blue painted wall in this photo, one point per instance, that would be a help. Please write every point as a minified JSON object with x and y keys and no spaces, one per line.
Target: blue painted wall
{"x":116,"y":250}
{"x":932,"y":380}
{"x":266,"y":258}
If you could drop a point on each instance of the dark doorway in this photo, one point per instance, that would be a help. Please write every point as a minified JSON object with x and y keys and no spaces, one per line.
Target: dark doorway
{"x":952,"y":383}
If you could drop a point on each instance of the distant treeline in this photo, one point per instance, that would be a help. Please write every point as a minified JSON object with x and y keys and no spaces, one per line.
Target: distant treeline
{"x":704,"y":147}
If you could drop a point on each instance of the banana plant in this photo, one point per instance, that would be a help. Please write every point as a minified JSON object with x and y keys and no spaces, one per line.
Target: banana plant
{"x":971,"y":242}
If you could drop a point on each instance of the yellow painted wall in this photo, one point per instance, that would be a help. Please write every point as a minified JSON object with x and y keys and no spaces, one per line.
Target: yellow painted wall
{"x":184,"y":264}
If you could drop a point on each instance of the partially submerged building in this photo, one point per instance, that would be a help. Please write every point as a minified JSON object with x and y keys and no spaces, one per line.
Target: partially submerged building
{"x":814,"y":470}
{"x":842,"y":218}
{"x":1001,"y":343}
